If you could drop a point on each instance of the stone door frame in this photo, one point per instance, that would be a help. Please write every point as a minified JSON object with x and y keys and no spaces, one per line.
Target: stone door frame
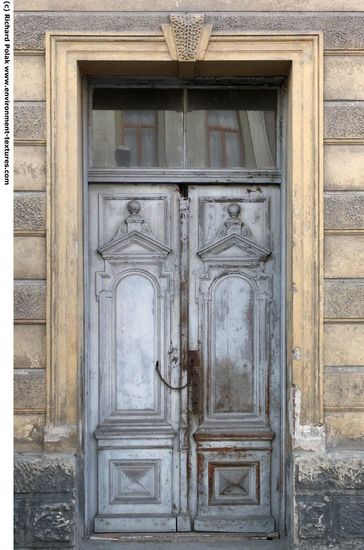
{"x":173,"y":52}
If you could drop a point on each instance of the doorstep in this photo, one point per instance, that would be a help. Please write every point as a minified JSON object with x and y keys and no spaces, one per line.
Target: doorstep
{"x":182,"y":541}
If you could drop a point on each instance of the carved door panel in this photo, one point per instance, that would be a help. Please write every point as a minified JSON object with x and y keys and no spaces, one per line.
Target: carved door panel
{"x":134,"y":303}
{"x":184,"y":357}
{"x":234,"y":288}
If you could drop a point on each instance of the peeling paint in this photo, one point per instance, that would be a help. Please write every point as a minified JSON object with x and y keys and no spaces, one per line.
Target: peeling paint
{"x":296,"y":354}
{"x":55,"y":434}
{"x":306,"y":437}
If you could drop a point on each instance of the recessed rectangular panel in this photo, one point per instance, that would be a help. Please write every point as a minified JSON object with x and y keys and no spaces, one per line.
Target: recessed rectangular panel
{"x":134,"y":482}
{"x":135,"y":239}
{"x":215,"y":218}
{"x":234,"y":490}
{"x":114,"y":214}
{"x":235,"y":241}
{"x":136,"y":337}
{"x":232,"y":345}
{"x":232,"y":484}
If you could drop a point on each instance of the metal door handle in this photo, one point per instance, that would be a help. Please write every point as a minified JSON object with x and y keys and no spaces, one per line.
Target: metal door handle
{"x":157,"y":368}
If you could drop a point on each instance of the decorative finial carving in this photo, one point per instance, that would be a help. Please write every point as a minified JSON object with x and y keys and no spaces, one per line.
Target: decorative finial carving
{"x":187,"y":37}
{"x":234,"y":224}
{"x":234,"y":210}
{"x":133,"y":207}
{"x":134,"y":222}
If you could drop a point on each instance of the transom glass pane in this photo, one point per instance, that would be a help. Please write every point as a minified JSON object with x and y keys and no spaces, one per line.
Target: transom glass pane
{"x":231,"y":128}
{"x":189,"y":128}
{"x":134,"y":128}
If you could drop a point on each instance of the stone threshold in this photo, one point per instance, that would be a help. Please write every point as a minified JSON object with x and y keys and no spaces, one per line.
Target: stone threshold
{"x":187,"y":541}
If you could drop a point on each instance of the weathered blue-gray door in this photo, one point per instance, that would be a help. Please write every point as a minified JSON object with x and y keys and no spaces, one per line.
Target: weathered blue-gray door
{"x":184,"y":357}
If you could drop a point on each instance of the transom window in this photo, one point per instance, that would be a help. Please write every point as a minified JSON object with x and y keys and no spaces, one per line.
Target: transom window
{"x":191,"y":127}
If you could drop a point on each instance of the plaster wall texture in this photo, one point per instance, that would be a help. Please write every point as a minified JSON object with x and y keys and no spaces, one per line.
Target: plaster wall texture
{"x":344,"y":249}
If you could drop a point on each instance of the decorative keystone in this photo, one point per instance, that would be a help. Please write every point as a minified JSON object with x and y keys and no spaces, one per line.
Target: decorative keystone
{"x":187,"y":37}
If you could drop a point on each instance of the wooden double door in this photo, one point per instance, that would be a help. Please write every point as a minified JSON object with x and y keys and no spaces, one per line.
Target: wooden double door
{"x":184,"y":387}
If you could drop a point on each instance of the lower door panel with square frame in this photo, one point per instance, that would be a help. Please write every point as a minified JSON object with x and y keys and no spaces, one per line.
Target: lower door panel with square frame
{"x":184,"y":387}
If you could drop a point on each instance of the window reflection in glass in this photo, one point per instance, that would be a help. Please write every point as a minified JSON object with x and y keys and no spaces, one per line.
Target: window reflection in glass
{"x":135,"y":128}
{"x":231,"y":128}
{"x":224,"y":139}
{"x":139,"y":143}
{"x":224,"y":128}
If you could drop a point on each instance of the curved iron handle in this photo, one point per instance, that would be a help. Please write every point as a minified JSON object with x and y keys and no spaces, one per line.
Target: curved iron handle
{"x":166,"y":383}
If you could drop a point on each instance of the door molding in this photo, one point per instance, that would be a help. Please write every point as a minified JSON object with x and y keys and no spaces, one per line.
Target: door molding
{"x":69,"y":56}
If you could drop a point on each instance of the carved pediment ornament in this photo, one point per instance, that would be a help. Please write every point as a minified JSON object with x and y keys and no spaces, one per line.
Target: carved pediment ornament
{"x":187,"y":37}
{"x":236,"y":236}
{"x":134,"y":222}
{"x":234,"y":224}
{"x":242,"y":250}
{"x":133,"y":230}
